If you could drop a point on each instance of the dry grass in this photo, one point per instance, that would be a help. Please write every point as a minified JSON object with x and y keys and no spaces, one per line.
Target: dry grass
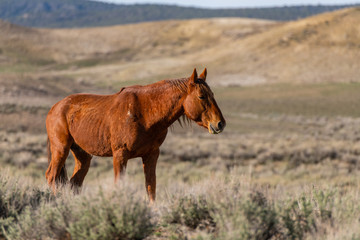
{"x":316,"y":150}
{"x":286,"y":177}
{"x":207,"y":184}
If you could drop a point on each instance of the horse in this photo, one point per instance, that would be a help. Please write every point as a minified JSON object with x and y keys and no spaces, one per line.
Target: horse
{"x":128,"y":124}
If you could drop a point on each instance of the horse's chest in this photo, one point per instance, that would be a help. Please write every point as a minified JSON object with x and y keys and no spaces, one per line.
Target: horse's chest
{"x":137,"y":140}
{"x":148,"y":145}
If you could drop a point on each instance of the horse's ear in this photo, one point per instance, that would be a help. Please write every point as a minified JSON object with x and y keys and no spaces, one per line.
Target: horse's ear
{"x":193,"y":77}
{"x":203,"y":75}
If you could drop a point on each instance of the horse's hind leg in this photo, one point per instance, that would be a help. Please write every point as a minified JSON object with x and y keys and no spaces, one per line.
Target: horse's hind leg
{"x":82,"y":164}
{"x":59,"y":152}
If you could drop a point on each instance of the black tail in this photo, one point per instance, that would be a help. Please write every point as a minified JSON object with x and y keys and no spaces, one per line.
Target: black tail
{"x":62,"y":179}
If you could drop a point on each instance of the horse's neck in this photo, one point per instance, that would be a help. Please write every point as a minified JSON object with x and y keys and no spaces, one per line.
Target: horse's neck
{"x":165,"y":106}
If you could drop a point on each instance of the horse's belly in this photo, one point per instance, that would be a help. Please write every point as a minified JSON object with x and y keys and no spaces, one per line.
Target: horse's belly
{"x":94,"y":139}
{"x":94,"y":145}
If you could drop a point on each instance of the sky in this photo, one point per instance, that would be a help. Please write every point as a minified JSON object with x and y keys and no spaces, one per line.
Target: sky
{"x":235,"y":3}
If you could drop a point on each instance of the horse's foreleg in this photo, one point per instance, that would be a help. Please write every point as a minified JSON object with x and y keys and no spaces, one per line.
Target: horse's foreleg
{"x":120,"y":159}
{"x":82,"y":164}
{"x":149,"y":165}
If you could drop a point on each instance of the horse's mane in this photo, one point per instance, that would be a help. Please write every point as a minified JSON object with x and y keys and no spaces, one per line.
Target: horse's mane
{"x":181,"y":84}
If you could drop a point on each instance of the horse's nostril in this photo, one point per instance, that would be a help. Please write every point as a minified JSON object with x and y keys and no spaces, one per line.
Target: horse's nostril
{"x":220,"y":125}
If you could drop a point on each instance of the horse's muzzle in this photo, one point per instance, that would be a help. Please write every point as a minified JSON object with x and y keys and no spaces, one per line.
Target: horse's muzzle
{"x":218,"y":128}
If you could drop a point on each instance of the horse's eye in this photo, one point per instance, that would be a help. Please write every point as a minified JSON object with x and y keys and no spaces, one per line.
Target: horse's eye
{"x":202,"y":97}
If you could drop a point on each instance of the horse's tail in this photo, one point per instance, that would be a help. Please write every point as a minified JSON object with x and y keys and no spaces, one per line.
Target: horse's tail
{"x":62,"y":179}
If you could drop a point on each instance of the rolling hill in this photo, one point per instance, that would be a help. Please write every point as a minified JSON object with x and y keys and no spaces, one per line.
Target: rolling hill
{"x":61,"y":49}
{"x":84,"y":13}
{"x":323,"y":48}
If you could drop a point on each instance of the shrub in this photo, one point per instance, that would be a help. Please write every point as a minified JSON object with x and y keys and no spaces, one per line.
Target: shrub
{"x":261,"y":217}
{"x":251,"y":217}
{"x":324,"y":202}
{"x":15,"y":198}
{"x":192,"y":212}
{"x":86,"y":217}
{"x":306,"y":214}
{"x":298,"y":218}
{"x":111,"y":218}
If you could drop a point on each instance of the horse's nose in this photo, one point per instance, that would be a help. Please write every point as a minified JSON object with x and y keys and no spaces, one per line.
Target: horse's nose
{"x":221,"y":125}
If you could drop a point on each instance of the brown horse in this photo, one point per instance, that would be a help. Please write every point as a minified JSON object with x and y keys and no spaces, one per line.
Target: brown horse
{"x":128,"y":124}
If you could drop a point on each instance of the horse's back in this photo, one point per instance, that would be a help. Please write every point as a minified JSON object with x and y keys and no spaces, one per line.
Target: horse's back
{"x":79,"y":104}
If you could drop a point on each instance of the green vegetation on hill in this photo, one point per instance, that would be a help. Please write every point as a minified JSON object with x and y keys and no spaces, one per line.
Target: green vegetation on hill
{"x":83,"y":13}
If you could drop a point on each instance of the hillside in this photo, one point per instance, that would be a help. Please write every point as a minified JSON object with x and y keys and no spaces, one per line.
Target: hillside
{"x":322,"y":48}
{"x":83,"y":13}
{"x":111,"y":47}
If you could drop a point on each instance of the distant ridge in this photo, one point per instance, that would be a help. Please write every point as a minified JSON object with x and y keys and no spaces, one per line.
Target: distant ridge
{"x":83,"y":13}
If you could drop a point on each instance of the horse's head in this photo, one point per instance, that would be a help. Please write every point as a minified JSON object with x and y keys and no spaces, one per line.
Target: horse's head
{"x":200,"y":105}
